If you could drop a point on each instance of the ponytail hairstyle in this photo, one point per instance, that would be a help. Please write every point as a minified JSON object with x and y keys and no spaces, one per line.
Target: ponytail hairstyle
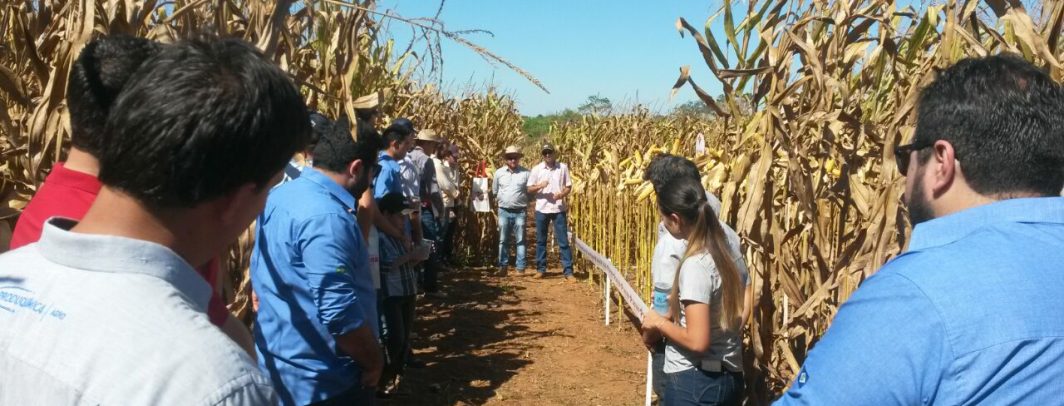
{"x":687,"y":199}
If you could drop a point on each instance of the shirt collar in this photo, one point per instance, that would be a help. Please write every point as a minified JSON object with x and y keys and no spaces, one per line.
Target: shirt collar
{"x":70,"y":178}
{"x":334,"y":189}
{"x":121,"y":255}
{"x":951,"y":228}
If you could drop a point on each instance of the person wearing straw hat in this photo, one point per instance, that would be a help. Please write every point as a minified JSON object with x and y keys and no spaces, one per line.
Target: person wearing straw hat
{"x":427,"y":141}
{"x":550,"y":183}
{"x":366,"y":111}
{"x":510,"y":188}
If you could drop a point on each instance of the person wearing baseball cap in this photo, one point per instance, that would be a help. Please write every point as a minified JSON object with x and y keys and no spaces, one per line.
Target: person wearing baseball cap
{"x":510,"y":188}
{"x":550,"y":183}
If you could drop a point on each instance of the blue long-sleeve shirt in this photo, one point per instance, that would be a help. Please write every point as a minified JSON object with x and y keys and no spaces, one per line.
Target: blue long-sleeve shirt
{"x":310,"y":271}
{"x":390,"y":179}
{"x":971,"y":314}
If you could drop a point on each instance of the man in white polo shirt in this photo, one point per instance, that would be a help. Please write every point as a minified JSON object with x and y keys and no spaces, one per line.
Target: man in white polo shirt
{"x":550,"y":183}
{"x":110,"y":310}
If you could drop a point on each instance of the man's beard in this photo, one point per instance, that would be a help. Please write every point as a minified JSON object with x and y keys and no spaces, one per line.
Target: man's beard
{"x":919,"y":207}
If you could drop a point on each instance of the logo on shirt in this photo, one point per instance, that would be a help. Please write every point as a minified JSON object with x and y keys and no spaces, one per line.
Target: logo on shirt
{"x":802,"y":378}
{"x":341,"y":269}
{"x":14,"y":298}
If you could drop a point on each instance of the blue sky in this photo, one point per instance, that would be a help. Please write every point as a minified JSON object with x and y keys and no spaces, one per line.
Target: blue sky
{"x":619,"y":49}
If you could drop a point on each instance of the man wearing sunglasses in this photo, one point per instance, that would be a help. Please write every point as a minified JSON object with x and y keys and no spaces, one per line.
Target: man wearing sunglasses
{"x":971,"y":313}
{"x":550,"y":183}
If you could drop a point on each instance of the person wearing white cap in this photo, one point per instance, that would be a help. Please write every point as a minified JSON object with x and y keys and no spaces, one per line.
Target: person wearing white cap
{"x":510,"y":188}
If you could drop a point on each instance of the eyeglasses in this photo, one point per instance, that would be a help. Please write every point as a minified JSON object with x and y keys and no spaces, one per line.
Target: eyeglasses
{"x":902,"y":153}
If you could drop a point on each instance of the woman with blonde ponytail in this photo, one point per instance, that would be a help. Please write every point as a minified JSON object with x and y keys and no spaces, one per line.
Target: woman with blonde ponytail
{"x":703,"y":354}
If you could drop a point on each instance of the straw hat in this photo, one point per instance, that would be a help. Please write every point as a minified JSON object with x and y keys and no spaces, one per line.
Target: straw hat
{"x":369,"y":101}
{"x":512,"y":150}
{"x":428,"y":135}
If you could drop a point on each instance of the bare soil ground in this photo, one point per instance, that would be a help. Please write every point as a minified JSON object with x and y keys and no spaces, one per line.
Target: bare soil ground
{"x":516,"y":340}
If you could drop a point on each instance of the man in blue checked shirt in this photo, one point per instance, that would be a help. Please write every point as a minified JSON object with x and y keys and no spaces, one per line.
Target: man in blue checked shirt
{"x":971,"y":313}
{"x":316,"y":329}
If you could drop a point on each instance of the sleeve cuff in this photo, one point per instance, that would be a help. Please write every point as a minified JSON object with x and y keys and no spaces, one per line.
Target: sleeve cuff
{"x":341,"y":326}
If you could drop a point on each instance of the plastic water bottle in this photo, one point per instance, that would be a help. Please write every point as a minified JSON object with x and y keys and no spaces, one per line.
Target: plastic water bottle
{"x":661,"y":298}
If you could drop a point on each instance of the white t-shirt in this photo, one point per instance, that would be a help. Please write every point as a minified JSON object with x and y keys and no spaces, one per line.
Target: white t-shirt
{"x":668,"y":251}
{"x":700,"y":282}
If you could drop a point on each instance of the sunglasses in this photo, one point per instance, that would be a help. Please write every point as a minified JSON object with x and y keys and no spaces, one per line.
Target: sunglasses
{"x":546,"y":153}
{"x":903,"y":153}
{"x":512,"y":158}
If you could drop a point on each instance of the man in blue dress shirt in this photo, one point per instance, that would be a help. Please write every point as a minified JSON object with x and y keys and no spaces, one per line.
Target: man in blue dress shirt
{"x":316,"y":329}
{"x":396,"y":144}
{"x":972,"y":312}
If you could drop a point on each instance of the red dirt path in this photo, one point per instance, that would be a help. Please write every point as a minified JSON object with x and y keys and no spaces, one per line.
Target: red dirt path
{"x":515,"y":340}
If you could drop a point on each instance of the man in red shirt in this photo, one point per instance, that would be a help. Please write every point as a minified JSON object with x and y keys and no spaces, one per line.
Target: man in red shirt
{"x":96,"y":78}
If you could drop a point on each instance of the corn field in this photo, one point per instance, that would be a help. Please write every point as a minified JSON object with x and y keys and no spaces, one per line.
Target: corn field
{"x":807,"y":177}
{"x":335,"y":51}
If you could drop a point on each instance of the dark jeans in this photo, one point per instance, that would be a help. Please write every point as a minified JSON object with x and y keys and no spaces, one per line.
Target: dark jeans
{"x":561,"y":235}
{"x":697,"y":387}
{"x":430,"y":230}
{"x":398,"y":314}
{"x":354,"y":396}
{"x":447,"y":238}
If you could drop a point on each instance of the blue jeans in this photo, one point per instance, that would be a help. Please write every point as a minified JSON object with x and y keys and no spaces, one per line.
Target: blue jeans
{"x":697,"y":387}
{"x":658,"y":366}
{"x":561,"y":235}
{"x":511,"y":221}
{"x":430,"y":231}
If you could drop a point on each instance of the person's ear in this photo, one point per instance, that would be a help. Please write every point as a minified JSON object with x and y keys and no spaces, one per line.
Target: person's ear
{"x":675,"y":218}
{"x":233,"y":208}
{"x":355,"y":168}
{"x":943,"y":167}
